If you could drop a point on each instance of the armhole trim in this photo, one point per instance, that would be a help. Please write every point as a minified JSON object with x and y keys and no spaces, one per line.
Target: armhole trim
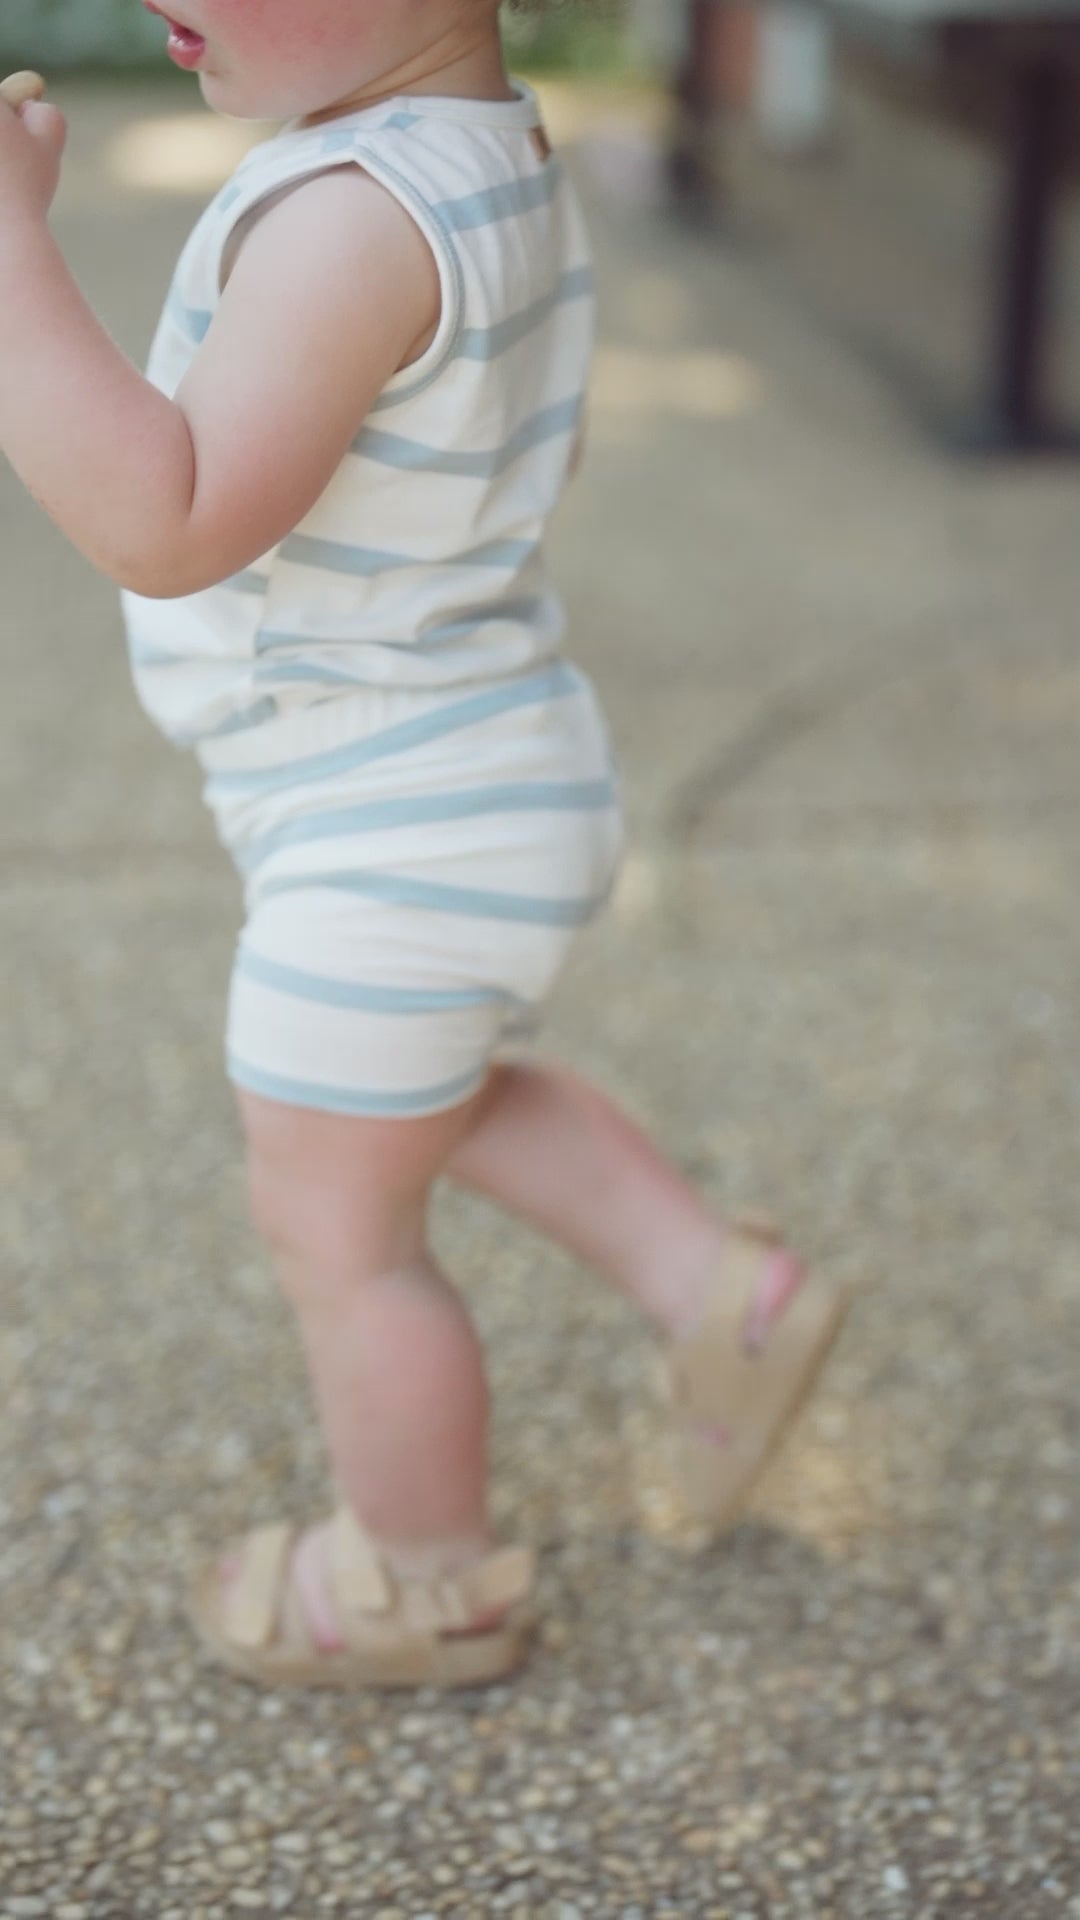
{"x":411,"y":380}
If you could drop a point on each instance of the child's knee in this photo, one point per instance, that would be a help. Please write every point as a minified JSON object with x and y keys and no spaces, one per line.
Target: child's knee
{"x":335,"y":1226}
{"x":345,"y":1197}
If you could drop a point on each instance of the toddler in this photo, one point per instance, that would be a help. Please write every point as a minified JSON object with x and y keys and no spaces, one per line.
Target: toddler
{"x":325,"y":508}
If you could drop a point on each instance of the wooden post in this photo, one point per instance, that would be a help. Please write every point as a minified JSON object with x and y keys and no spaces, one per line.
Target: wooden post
{"x":1038,"y":68}
{"x":716,"y":72}
{"x":1040,"y":87}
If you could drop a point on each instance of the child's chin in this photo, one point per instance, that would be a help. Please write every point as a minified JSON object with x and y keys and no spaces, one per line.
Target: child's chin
{"x":234,"y":101}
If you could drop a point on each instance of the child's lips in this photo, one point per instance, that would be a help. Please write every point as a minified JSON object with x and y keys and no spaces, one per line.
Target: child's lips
{"x":185,"y":44}
{"x":185,"y":48}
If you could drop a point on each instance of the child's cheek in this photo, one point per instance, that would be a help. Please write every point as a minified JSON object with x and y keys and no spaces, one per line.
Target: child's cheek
{"x":288,"y":31}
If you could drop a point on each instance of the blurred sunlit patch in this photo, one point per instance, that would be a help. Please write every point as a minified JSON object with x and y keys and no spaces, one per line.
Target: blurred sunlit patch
{"x":574,"y":110}
{"x":831,"y":1486}
{"x":620,"y":133}
{"x":703,"y":384}
{"x":637,"y":892}
{"x":183,"y":153}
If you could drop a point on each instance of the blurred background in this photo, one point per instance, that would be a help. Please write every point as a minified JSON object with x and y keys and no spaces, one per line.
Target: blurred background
{"x":823,"y":566}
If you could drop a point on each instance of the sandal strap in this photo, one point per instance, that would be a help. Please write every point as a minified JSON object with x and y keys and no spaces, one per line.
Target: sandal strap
{"x":746,"y":1247}
{"x":365,"y":1589}
{"x":760,"y":1227}
{"x":690,"y":1364}
{"x":250,"y":1602}
{"x":504,"y":1579}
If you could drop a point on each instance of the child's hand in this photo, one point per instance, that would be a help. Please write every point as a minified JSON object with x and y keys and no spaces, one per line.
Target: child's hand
{"x":32,"y":138}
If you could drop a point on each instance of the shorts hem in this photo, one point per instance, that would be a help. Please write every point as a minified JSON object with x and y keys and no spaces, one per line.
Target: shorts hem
{"x":358,"y":1102}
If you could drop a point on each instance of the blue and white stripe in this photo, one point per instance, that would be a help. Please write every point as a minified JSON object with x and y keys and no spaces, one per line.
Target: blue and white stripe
{"x":447,"y":488}
{"x":404,"y":916}
{"x":417,"y":789}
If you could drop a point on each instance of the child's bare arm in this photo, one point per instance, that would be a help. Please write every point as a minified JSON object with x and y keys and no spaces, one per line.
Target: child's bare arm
{"x":331,"y":290}
{"x":108,"y":458}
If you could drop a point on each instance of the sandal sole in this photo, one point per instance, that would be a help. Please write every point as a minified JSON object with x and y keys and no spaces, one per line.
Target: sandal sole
{"x":465,"y":1660}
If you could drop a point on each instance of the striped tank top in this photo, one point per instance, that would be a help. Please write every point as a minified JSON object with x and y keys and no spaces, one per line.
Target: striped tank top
{"x":421,"y":566}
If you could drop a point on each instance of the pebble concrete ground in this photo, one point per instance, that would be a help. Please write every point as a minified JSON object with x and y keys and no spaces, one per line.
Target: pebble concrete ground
{"x":839,"y":980}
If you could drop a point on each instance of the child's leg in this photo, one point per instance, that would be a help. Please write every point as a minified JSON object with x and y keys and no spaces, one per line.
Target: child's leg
{"x":395,"y":1365}
{"x":555,"y":1150}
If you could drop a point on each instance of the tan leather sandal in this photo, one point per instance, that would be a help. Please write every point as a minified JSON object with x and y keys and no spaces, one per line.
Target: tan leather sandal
{"x":398,"y":1633}
{"x":731,"y":1405}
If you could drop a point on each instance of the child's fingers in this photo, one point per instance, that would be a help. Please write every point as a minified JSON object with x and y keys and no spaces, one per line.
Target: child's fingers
{"x":45,"y":122}
{"x":22,"y":92}
{"x":20,"y":87}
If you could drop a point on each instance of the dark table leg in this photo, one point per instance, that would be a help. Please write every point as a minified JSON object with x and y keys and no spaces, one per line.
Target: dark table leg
{"x":1041,"y":88}
{"x":692,"y":174}
{"x":1038,"y":67}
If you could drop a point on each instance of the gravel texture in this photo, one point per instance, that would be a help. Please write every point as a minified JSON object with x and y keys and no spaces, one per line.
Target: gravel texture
{"x":839,"y":979}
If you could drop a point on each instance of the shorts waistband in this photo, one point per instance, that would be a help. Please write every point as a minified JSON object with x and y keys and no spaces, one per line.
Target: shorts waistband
{"x":345,"y":718}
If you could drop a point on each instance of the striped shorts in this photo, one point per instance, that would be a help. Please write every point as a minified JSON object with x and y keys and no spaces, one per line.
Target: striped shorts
{"x":415,"y":868}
